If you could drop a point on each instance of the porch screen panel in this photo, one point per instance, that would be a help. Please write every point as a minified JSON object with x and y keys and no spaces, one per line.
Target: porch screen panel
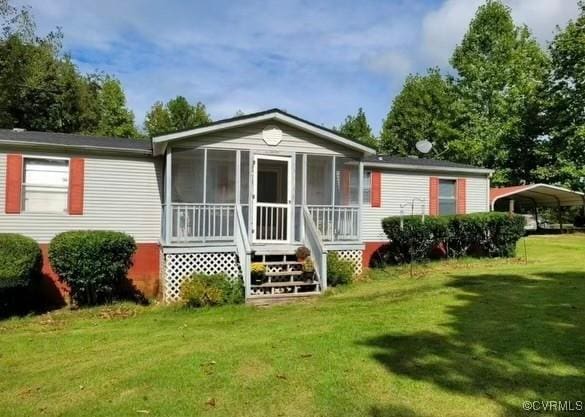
{"x":187,"y":176}
{"x":319,"y":180}
{"x":346,"y":182}
{"x":220,"y":194}
{"x":187,"y":194}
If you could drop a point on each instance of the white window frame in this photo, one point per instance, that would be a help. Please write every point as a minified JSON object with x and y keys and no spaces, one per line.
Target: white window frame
{"x":24,"y":184}
{"x":454,"y":199}
{"x":367,"y":185}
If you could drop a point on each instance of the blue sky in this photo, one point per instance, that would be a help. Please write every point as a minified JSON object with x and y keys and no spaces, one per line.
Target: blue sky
{"x":320,"y":60}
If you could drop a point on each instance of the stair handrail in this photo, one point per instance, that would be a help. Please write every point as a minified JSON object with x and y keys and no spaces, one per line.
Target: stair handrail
{"x":315,"y":244}
{"x":243,"y":247}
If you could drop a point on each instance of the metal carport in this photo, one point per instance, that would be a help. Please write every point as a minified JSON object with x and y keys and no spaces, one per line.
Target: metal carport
{"x":534,"y":196}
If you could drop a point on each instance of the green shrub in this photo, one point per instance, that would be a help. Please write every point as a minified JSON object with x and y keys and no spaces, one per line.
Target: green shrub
{"x":209,"y":290}
{"x":20,"y":260}
{"x":339,"y":271}
{"x":414,"y":240}
{"x":92,"y":263}
{"x":480,"y":234}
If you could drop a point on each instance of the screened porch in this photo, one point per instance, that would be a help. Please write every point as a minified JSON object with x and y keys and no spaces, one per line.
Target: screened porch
{"x":212,"y":196}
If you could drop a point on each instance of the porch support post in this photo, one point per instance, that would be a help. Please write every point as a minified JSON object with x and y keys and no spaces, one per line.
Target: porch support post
{"x":205,"y":212}
{"x":332,"y":224}
{"x":360,"y":197}
{"x":238,"y":179}
{"x":303,"y":195}
{"x":251,"y":190}
{"x":290,"y":233}
{"x":168,"y":212}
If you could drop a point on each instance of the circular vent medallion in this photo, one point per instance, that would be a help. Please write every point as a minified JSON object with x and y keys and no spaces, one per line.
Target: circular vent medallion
{"x":272,"y":135}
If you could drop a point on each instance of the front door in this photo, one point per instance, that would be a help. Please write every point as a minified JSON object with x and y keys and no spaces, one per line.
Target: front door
{"x":271,"y":199}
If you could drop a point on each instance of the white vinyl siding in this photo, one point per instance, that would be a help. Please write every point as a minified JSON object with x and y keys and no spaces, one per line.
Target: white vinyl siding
{"x":120,"y":193}
{"x":250,"y":138}
{"x":400,"y":187}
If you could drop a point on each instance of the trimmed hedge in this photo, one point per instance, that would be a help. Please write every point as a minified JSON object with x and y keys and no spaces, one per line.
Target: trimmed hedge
{"x":92,"y":263}
{"x":339,"y":271}
{"x":202,"y":290}
{"x":20,"y":260}
{"x":477,"y":234}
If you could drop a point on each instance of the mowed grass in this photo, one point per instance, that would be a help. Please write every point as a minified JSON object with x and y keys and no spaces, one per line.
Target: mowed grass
{"x":467,"y":338}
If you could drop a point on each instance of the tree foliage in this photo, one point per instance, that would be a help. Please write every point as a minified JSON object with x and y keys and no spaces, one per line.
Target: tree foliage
{"x":491,"y":112}
{"x":358,"y":128}
{"x":501,"y":72}
{"x":176,"y":114}
{"x":424,"y":109}
{"x":114,"y":117}
{"x":41,"y":88}
{"x":566,"y":109}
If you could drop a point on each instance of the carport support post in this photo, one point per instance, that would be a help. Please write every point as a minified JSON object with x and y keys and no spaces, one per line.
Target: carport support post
{"x":511,"y":206}
{"x":560,"y":218}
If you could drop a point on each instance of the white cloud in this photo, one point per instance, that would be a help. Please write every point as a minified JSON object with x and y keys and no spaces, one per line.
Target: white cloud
{"x":321,"y":59}
{"x":392,"y":63}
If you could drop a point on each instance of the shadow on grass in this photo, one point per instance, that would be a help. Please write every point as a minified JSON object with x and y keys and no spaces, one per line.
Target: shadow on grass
{"x":510,"y":338}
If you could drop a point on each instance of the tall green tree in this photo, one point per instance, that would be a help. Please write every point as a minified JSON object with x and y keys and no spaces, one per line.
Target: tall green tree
{"x":426,"y":108}
{"x":176,"y":114}
{"x":41,"y":88}
{"x":115,"y":118}
{"x":358,"y":128}
{"x":158,"y":120}
{"x":501,"y":74}
{"x":566,"y":110}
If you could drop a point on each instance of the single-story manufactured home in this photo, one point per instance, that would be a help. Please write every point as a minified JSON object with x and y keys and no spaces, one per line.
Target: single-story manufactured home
{"x":218,"y":197}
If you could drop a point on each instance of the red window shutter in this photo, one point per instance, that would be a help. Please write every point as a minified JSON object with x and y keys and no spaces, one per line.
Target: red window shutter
{"x":13,"y":183}
{"x":434,"y":196}
{"x":461,"y":196}
{"x":76,"y":179}
{"x":376,"y":189}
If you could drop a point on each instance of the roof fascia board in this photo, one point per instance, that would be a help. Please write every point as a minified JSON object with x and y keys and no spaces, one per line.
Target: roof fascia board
{"x":265,"y":117}
{"x":63,"y":147}
{"x":405,"y":167}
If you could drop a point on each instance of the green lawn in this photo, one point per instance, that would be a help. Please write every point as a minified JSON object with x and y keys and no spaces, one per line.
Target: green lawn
{"x":472,"y":338}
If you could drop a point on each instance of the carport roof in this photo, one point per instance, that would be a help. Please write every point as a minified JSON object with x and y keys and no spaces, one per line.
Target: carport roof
{"x":543,"y":195}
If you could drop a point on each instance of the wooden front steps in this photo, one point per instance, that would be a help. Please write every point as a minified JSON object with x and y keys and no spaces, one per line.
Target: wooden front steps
{"x":283,"y":279}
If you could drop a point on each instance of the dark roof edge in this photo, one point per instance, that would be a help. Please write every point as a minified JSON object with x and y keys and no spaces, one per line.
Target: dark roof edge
{"x":77,"y":147}
{"x":437,"y":165}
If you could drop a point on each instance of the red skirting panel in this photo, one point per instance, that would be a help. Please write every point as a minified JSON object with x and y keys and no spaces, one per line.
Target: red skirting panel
{"x":143,"y":277}
{"x":371,"y":251}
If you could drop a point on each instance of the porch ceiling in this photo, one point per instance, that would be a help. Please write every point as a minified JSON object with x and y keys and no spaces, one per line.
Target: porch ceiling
{"x":160,"y":142}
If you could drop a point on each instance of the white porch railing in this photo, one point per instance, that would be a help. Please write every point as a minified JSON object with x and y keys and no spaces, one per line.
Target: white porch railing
{"x":336,"y":223}
{"x":202,"y":222}
{"x":243,"y":248}
{"x":272,"y":222}
{"x":315,"y":244}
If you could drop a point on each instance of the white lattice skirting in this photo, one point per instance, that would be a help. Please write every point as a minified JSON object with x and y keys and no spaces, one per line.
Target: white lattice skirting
{"x":179,"y":266}
{"x":355,"y":256}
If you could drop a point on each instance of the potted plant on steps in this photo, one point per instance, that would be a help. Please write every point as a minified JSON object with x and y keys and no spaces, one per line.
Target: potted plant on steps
{"x":258,"y":272}
{"x":302,"y":253}
{"x":308,"y":270}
